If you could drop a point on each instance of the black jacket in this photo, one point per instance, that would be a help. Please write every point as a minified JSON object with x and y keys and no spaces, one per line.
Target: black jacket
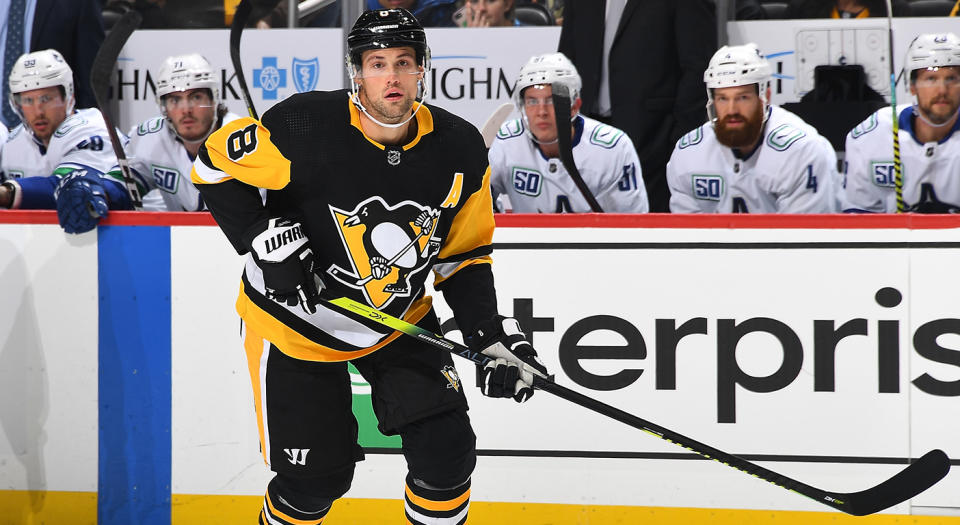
{"x":657,"y":61}
{"x":75,"y":29}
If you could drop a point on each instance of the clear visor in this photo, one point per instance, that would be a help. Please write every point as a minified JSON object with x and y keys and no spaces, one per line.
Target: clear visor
{"x":949,"y":80}
{"x":380,"y":68}
{"x":38,"y":101}
{"x":180,"y":100}
{"x":530,"y":99}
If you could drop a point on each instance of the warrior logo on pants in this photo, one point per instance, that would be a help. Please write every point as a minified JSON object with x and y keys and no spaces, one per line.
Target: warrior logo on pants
{"x":385,"y":245}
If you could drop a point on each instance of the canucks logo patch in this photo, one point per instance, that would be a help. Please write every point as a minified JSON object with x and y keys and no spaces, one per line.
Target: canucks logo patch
{"x":511,"y":128}
{"x":151,"y":126}
{"x":385,"y":245}
{"x":691,"y":139}
{"x":68,"y":125}
{"x":784,"y":136}
{"x":864,"y":127}
{"x":708,"y":187}
{"x":605,"y":136}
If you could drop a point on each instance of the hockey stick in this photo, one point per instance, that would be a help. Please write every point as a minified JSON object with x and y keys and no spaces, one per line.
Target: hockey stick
{"x":236,"y":30}
{"x":493,"y":123}
{"x":561,"y":109}
{"x":914,"y":479}
{"x":100,"y":73}
{"x":897,"y":167}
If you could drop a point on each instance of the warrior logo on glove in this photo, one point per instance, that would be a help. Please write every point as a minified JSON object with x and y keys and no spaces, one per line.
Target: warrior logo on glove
{"x":283,"y":254}
{"x":385,"y":245}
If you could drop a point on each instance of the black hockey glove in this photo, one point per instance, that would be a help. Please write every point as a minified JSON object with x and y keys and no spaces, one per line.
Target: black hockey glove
{"x":283,"y":253}
{"x":514,"y":364}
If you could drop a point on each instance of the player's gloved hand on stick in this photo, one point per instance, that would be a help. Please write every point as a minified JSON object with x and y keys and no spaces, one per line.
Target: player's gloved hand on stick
{"x":81,"y":201}
{"x":283,"y":253}
{"x":514,"y":364}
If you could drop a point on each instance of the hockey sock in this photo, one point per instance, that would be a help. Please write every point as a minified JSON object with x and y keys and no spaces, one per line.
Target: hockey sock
{"x":277,"y":511}
{"x":426,"y":505}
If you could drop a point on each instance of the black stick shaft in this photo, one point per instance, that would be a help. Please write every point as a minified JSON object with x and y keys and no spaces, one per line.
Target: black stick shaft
{"x":100,"y":73}
{"x":561,"y":108}
{"x":240,"y":18}
{"x":914,"y":479}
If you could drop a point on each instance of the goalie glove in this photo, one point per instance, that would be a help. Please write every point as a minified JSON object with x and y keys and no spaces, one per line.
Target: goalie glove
{"x":283,"y":254}
{"x":514,"y":364}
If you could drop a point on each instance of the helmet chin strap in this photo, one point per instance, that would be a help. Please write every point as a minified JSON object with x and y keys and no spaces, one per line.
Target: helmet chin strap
{"x":355,"y":98}
{"x":534,"y":138}
{"x":919,"y":113}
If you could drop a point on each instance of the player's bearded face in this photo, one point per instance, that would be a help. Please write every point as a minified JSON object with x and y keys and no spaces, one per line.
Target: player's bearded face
{"x":739,"y":116}
{"x":43,"y":110}
{"x":938,"y":93}
{"x":191,"y":112}
{"x":388,"y":83}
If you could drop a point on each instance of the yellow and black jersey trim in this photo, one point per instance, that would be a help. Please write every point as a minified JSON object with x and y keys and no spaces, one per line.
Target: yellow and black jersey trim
{"x":424,"y":125}
{"x":242,"y":150}
{"x":301,"y":340}
{"x":471,"y":234}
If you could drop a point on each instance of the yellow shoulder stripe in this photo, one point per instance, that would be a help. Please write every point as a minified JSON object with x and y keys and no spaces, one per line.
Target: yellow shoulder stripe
{"x":473,"y":226}
{"x":243,"y":150}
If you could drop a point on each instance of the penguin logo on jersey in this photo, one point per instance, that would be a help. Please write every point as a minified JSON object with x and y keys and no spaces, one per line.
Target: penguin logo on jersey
{"x":453,"y":379}
{"x":386,"y":245}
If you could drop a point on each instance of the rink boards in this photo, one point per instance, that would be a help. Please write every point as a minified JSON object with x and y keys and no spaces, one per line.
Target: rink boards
{"x":124,"y":391}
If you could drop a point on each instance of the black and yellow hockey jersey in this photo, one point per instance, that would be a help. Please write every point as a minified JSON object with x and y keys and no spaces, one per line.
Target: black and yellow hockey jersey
{"x":378,"y":217}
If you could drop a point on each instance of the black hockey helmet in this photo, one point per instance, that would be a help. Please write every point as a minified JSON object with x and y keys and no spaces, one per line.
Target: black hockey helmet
{"x":384,"y":28}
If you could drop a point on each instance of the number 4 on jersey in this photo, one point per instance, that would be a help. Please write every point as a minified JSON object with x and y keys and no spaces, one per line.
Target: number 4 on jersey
{"x":811,"y":179}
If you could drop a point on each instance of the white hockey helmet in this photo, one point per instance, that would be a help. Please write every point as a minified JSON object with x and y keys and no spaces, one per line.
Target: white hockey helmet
{"x":551,"y":68}
{"x":38,"y":70}
{"x":737,"y":66}
{"x":932,"y":50}
{"x":183,"y":72}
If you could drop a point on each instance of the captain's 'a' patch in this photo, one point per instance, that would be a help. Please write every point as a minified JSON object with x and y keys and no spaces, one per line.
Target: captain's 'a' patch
{"x":385,"y":245}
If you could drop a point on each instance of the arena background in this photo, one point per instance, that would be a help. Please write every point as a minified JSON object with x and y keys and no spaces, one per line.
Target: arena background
{"x":124,"y":394}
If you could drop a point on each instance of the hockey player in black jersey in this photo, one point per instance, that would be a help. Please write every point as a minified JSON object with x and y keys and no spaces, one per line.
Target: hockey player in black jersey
{"x":328,"y":161}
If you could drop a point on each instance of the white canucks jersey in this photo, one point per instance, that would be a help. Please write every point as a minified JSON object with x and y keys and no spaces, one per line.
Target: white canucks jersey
{"x":794,"y":170}
{"x":930,"y":171}
{"x":160,"y":162}
{"x":604,"y":155}
{"x":80,"y":142}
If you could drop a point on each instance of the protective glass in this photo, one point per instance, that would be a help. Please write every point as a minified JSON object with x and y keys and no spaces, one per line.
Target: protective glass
{"x":45,"y":100}
{"x":197,"y":99}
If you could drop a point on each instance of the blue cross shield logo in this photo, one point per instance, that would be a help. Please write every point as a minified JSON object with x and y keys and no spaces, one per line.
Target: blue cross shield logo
{"x":305,"y":73}
{"x":269,"y":78}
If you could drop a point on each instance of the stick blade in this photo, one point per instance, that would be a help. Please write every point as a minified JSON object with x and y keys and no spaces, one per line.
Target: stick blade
{"x":493,"y":123}
{"x":916,"y":478}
